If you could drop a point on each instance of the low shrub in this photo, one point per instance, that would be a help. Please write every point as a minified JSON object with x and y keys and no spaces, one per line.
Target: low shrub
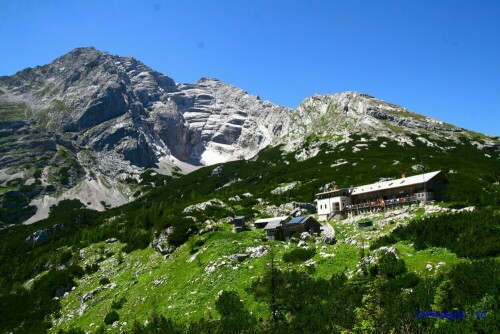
{"x":299,"y":255}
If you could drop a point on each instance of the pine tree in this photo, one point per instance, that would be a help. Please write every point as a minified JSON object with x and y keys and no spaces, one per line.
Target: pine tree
{"x":369,"y":315}
{"x":443,"y":298}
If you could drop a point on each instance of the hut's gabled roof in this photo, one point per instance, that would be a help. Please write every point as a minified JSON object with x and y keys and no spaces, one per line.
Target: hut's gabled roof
{"x":402,"y":182}
{"x":268,"y":220}
{"x":297,"y":221}
{"x":273,"y":225}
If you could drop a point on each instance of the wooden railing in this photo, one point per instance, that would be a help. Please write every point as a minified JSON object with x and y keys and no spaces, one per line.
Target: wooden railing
{"x":382,"y":204}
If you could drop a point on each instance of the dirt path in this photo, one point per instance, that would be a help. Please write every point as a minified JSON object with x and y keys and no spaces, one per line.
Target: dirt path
{"x":328,"y":229}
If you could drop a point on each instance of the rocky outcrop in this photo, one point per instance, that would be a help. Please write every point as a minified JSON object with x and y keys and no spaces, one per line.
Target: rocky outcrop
{"x":343,"y":114}
{"x":89,"y":295}
{"x":39,"y":236}
{"x":229,"y":122}
{"x":160,"y":242}
{"x":202,"y":206}
{"x":256,"y":252}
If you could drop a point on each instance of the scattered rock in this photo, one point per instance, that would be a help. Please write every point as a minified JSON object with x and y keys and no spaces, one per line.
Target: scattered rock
{"x":385,"y":249}
{"x":89,"y":295}
{"x":160,"y":242}
{"x":310,"y":264}
{"x":440,"y":264}
{"x":110,"y":286}
{"x":158,"y":282}
{"x":350,"y":241}
{"x":305,"y":236}
{"x":258,"y":251}
{"x":328,"y":239}
{"x":367,"y":260}
{"x":111,"y":240}
{"x":238,"y":257}
{"x":206,"y":229}
{"x":210,"y":268}
{"x":428,"y":266}
{"x":225,"y":220}
{"x":204,"y":205}
{"x":467,"y":209}
{"x":82,"y":309}
{"x":302,"y":244}
{"x":39,"y":236}
{"x":217,"y":170}
{"x":284,"y":188}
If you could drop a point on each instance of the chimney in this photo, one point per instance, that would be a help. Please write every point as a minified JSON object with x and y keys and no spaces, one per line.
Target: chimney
{"x":403,"y":175}
{"x":335,"y":187}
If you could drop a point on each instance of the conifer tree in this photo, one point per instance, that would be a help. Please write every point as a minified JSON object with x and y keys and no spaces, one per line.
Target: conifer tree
{"x":443,"y":297}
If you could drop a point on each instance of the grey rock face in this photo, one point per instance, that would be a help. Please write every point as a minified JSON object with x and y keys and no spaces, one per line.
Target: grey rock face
{"x":343,"y":114}
{"x":100,"y":98}
{"x":225,"y":122}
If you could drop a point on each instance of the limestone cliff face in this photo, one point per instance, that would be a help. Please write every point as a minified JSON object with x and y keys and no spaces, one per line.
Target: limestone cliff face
{"x":225,"y":122}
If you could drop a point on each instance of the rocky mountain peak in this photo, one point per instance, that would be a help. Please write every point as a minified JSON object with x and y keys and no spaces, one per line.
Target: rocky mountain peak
{"x":207,"y":80}
{"x":340,"y":115}
{"x":80,"y":53}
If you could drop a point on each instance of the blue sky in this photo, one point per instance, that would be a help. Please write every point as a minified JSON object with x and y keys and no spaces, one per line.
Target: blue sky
{"x":437,"y":58}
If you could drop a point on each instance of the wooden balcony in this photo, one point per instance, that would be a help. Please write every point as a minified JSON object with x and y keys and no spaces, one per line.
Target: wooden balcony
{"x":381,"y":205}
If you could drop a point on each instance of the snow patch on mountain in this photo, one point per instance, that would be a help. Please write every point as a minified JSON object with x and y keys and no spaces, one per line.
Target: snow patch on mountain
{"x":211,"y":157}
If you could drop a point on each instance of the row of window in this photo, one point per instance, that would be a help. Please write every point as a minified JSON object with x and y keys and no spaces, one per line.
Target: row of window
{"x":325,"y":206}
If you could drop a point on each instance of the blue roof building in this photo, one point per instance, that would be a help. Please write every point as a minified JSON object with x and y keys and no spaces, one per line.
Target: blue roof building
{"x":294,"y":227}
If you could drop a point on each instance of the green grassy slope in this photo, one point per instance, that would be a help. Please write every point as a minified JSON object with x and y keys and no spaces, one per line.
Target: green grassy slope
{"x":181,"y":290}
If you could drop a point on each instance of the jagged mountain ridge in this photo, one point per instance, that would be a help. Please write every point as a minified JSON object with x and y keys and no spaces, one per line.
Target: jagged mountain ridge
{"x":118,"y":104}
{"x":90,"y":119}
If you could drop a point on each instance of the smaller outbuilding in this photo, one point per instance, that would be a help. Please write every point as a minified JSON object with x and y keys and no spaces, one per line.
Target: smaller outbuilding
{"x":262,"y":223}
{"x":276,"y":230}
{"x":239,"y":223}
